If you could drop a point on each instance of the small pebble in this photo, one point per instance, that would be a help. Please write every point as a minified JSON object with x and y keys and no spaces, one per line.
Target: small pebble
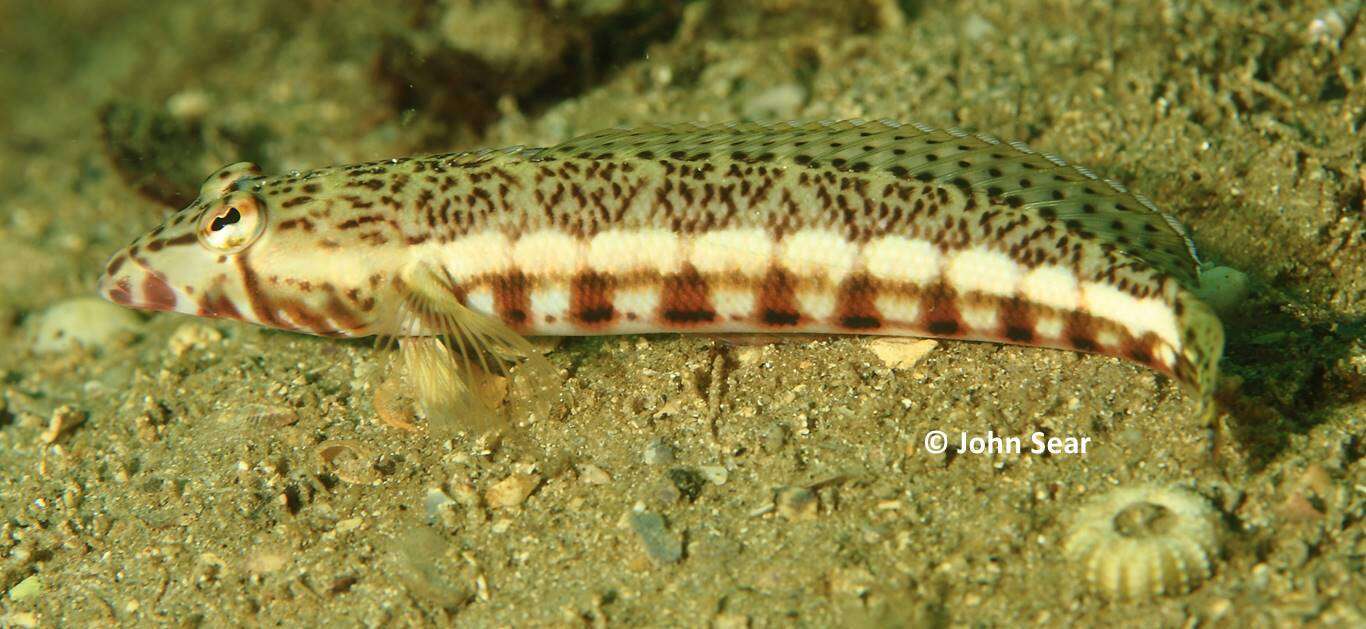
{"x":593,"y":475}
{"x":350,"y":460}
{"x":781,"y":101}
{"x":660,"y":544}
{"x":64,"y":420}
{"x":436,"y":502}
{"x":264,"y":560}
{"x":666,"y":494}
{"x":30,"y":587}
{"x":772,"y":438}
{"x":192,"y":336}
{"x":421,"y":560}
{"x":900,"y":353}
{"x":659,"y":452}
{"x":715,"y":474}
{"x":511,"y":491}
{"x":1223,"y":288}
{"x":1330,"y":25}
{"x":731,"y":621}
{"x":464,"y":494}
{"x":19,"y":619}
{"x":797,"y":503}
{"x":189,"y":104}
{"x":349,"y":524}
{"x":89,"y":322}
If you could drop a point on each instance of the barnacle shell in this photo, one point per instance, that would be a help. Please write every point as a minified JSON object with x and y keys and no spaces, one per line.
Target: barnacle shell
{"x":1142,"y":541}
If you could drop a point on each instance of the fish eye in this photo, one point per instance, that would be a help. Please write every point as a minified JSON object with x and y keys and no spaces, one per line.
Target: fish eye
{"x":232,"y":223}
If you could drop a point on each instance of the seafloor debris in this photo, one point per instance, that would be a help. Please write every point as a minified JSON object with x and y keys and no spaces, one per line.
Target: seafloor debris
{"x":192,"y":336}
{"x":393,"y":407}
{"x":156,"y":153}
{"x":900,"y":352}
{"x":797,"y":503}
{"x":659,"y":452}
{"x":661,"y":545}
{"x":1223,"y":288}
{"x":423,"y":563}
{"x":460,"y":68}
{"x":689,"y":482}
{"x":592,"y":474}
{"x":511,"y":491}
{"x":1330,"y":25}
{"x":63,"y":420}
{"x":350,"y":460}
{"x":89,"y":322}
{"x":1142,"y":541}
{"x":30,"y":587}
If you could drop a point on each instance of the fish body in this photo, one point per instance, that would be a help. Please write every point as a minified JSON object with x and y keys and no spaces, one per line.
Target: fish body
{"x":846,"y":227}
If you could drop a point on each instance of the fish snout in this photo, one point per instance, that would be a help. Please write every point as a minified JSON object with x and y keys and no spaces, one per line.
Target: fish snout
{"x":128,"y":283}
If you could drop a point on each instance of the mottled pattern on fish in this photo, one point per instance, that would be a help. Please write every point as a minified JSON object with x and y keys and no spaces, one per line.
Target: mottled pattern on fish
{"x":845,"y":227}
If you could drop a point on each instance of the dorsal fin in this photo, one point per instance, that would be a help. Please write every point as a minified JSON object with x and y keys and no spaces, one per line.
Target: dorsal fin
{"x":1018,"y":176}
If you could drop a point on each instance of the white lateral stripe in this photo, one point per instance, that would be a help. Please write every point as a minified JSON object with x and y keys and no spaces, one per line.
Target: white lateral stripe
{"x":1140,"y":316}
{"x":980,"y":317}
{"x":818,"y":252}
{"x":477,"y":254}
{"x":900,"y":259}
{"x":1051,"y":286}
{"x":547,"y":252}
{"x":1049,"y":327}
{"x":983,"y":271}
{"x":898,"y":308}
{"x":552,"y":300}
{"x":746,"y":251}
{"x":642,"y":301}
{"x":480,"y":299}
{"x":623,"y":251}
{"x":817,"y":304}
{"x":733,"y":303}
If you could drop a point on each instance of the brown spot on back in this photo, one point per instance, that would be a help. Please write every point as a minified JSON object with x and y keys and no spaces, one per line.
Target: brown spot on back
{"x":358,"y":221}
{"x":301,"y":223}
{"x":115,"y":264}
{"x":183,"y":239}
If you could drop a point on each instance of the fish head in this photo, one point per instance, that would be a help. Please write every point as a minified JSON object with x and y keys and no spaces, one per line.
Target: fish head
{"x":246,"y":250}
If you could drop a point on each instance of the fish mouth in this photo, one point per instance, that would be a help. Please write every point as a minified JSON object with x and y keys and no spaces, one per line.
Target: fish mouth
{"x":136,"y":286}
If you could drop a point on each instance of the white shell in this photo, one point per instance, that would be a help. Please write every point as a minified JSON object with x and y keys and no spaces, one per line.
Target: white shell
{"x":1143,"y":541}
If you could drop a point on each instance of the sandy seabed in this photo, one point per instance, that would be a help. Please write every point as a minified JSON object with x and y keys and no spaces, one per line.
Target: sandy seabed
{"x":182,"y":471}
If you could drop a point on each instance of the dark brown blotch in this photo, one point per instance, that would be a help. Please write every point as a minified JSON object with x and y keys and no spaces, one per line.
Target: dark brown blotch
{"x":686,"y":299}
{"x":157,"y":294}
{"x":590,"y":300}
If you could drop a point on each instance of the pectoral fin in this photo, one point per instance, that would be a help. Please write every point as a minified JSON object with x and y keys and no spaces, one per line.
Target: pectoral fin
{"x":452,"y":350}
